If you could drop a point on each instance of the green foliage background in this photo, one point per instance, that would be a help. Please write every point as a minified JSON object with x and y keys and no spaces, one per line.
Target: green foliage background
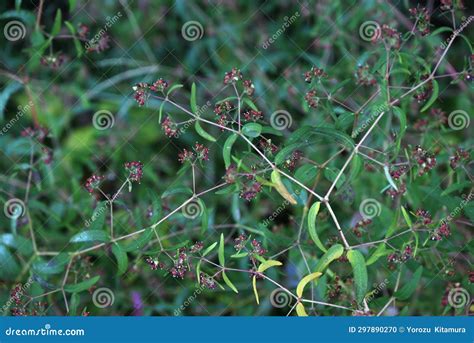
{"x":147,"y":43}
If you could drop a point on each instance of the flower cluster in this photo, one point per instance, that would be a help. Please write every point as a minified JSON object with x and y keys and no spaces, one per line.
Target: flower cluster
{"x":207,"y":281}
{"x":154,"y":264}
{"x":53,"y":61}
{"x":361,"y":225}
{"x":135,"y":169}
{"x":240,"y":242}
{"x":267,"y":146}
{"x":250,"y":190}
{"x":393,"y":193}
{"x":364,"y":77}
{"x":314,"y":72}
{"x":293,"y":159}
{"x":142,"y":90}
{"x":312,"y":99}
{"x":252,"y":115}
{"x":422,"y":19}
{"x":400,"y":257}
{"x":39,"y":133}
{"x":223,"y":107}
{"x":181,"y":264}
{"x":460,"y":155}
{"x":424,"y":92}
{"x":397,"y":173}
{"x":441,"y":231}
{"x":424,"y":216}
{"x":424,"y":159}
{"x":232,"y":76}
{"x":93,"y":182}
{"x":391,"y":36}
{"x":196,"y":247}
{"x":170,"y":127}
{"x":201,"y":153}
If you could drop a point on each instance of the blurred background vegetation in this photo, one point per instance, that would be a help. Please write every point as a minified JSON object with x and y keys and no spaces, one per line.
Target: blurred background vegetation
{"x":65,"y":85}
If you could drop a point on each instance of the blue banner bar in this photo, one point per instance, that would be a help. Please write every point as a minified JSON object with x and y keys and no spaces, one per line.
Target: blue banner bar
{"x":237,"y":329}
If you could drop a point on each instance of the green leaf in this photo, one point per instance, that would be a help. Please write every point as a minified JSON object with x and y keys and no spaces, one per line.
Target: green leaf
{"x":121,"y":257}
{"x":252,"y":130}
{"x":6,"y":93}
{"x":194,"y":107}
{"x":9,"y":268}
{"x":304,"y":281}
{"x":81,"y":286}
{"x":201,"y":132}
{"x":300,"y":311}
{"x":434,"y":96}
{"x":77,"y":43}
{"x":407,"y":290}
{"x":229,"y":283}
{"x":209,"y":249}
{"x":255,"y":291}
{"x":138,"y":243}
{"x":226,"y":151}
{"x":21,"y":244}
{"x":221,"y":251}
{"x":312,"y":214}
{"x":359,"y":268}
{"x":280,"y":187}
{"x":268,"y":264}
{"x":56,"y":265}
{"x":204,"y":217}
{"x":406,"y":216}
{"x":90,"y":236}
{"x":331,"y":173}
{"x":332,"y":254}
{"x":57,"y":23}
{"x":173,"y":88}
{"x":380,"y":251}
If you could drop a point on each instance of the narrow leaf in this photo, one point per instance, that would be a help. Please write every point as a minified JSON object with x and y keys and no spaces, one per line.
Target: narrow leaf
{"x":312,"y":214}
{"x":304,"y":281}
{"x":359,"y":268}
